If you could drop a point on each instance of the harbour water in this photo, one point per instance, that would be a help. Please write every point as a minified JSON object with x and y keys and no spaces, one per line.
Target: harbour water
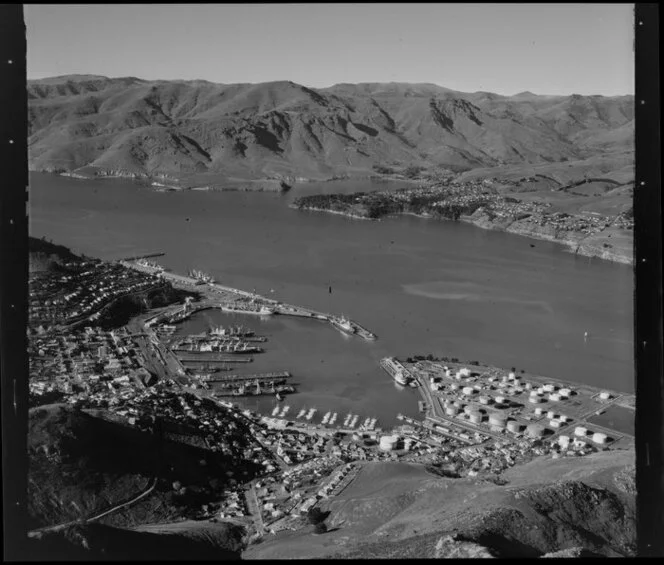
{"x":422,"y":286}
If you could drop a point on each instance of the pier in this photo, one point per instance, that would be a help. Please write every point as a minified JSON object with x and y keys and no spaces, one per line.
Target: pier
{"x":148,"y":256}
{"x":202,"y":359}
{"x":260,"y":377}
{"x":212,"y":292}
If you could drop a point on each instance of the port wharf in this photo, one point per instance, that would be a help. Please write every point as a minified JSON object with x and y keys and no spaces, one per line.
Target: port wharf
{"x":149,"y":256}
{"x":278,"y":377}
{"x":204,"y":359}
{"x":220,"y":296}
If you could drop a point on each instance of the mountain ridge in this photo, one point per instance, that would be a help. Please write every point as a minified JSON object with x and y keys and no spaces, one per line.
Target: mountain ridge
{"x":203,"y":132}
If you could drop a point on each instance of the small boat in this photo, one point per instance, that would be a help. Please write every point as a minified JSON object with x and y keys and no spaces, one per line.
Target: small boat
{"x":276,"y":410}
{"x":326,"y":417}
{"x":278,"y":396}
{"x":301,"y":413}
{"x":333,"y":419}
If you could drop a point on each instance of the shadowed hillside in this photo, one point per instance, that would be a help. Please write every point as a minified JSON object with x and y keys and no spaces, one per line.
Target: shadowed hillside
{"x":399,"y":510}
{"x":205,"y":133}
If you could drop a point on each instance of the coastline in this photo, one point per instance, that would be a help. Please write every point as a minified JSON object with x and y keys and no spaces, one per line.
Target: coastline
{"x":337,"y":212}
{"x":575,"y":242}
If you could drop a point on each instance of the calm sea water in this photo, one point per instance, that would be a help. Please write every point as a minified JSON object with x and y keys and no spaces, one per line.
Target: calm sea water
{"x":423,"y":286}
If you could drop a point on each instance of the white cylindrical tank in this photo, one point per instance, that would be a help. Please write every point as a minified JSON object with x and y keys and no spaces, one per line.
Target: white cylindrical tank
{"x":475,"y":417}
{"x":513,"y":426}
{"x":604,"y":395}
{"x":580,"y":431}
{"x":451,"y":411}
{"x":599,"y":438}
{"x":535,"y":430}
{"x":388,"y":443}
{"x":497,"y":420}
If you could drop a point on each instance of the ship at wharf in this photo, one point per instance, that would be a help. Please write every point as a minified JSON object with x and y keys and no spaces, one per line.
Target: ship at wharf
{"x":277,"y":377}
{"x":206,"y":358}
{"x":274,"y":383}
{"x":238,"y":301}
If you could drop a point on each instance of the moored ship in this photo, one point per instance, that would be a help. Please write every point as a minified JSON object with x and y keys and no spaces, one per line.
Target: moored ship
{"x":343,"y":324}
{"x":236,"y":308}
{"x":231,"y":331}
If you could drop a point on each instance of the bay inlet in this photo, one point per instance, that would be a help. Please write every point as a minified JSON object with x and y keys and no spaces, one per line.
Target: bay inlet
{"x":423,"y":286}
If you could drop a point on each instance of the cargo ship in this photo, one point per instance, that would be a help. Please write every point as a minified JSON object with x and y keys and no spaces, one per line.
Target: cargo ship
{"x":232,"y":331}
{"x":248,"y":309}
{"x":343,"y":324}
{"x":396,"y":370}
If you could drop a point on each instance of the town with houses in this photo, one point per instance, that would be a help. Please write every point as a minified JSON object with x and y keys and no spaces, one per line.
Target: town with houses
{"x":476,"y":420}
{"x":466,"y":200}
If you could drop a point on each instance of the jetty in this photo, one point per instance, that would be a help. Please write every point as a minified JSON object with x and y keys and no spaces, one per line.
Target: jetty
{"x":148,"y":256}
{"x":277,"y":377}
{"x":221,"y":296}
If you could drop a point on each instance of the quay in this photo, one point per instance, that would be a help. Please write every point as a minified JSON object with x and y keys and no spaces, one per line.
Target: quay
{"x":204,"y":360}
{"x":212,"y":300}
{"x":148,"y":256}
{"x":276,"y":376}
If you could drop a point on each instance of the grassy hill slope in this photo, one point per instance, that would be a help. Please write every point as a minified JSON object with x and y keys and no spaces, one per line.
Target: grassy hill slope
{"x":400,"y":510}
{"x":204,"y":131}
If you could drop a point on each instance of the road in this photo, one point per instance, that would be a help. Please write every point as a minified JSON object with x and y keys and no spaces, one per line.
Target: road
{"x":147,"y":490}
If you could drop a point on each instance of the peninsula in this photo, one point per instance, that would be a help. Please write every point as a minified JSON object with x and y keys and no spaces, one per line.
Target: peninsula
{"x":594,"y":226}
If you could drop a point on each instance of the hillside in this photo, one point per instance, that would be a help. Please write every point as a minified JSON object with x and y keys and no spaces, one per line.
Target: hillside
{"x":92,"y":542}
{"x":202,"y":133}
{"x":78,"y":468}
{"x":44,"y":255}
{"x":399,"y":510}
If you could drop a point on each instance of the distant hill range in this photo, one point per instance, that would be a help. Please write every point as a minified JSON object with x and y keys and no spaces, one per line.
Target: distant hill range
{"x":201,"y":132}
